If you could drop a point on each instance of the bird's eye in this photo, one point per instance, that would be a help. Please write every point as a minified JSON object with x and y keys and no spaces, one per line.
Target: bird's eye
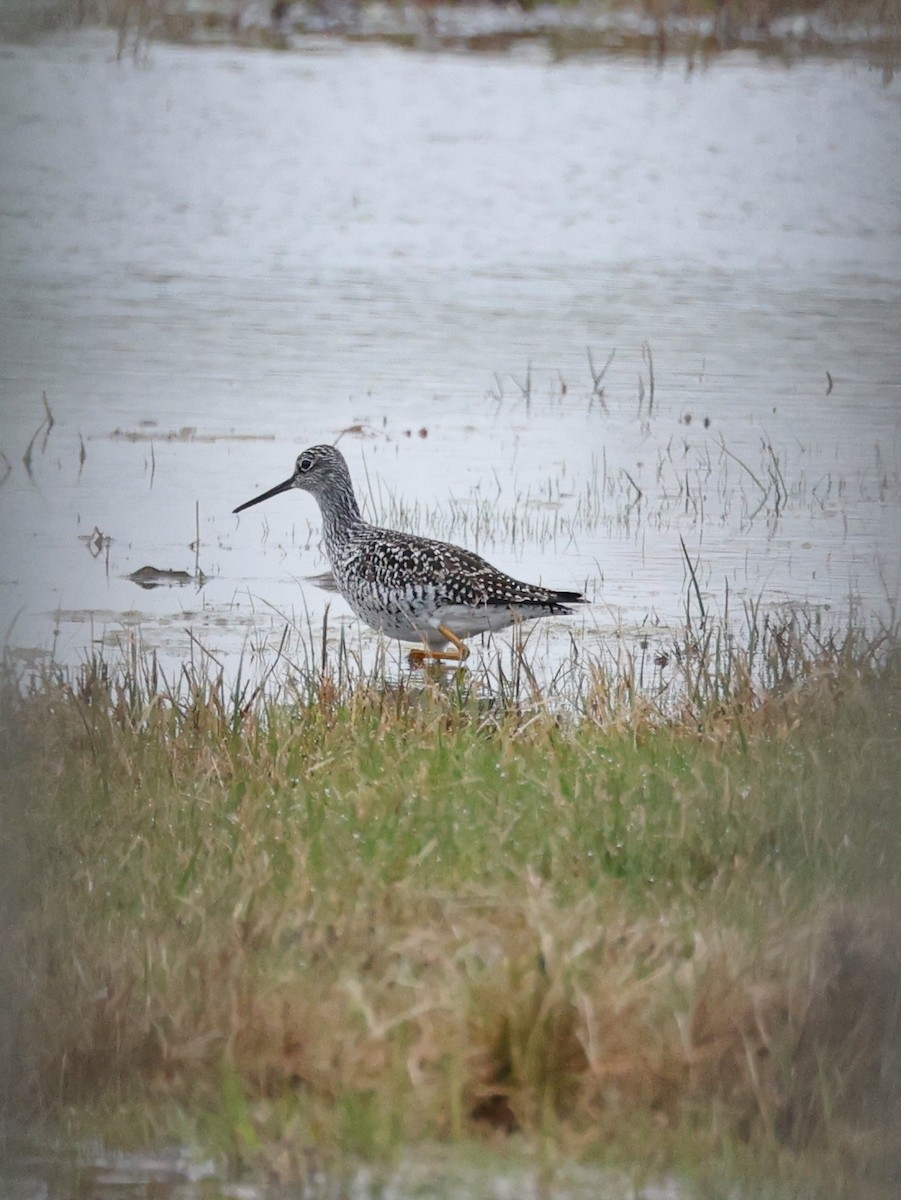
{"x":305,"y":464}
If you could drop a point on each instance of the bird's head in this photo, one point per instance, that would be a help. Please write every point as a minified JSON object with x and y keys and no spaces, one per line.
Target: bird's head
{"x":320,"y":470}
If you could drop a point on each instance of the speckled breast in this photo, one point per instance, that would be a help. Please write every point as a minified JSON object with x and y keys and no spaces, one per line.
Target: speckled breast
{"x":406,"y":613}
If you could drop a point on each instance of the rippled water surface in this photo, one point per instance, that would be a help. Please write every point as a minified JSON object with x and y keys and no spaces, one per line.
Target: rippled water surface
{"x":214,"y":257}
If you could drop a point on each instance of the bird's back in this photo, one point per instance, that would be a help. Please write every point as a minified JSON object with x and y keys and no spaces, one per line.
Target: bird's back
{"x":376,"y":563}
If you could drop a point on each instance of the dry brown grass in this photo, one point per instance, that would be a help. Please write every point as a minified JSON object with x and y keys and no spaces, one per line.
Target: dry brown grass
{"x":375,"y":918}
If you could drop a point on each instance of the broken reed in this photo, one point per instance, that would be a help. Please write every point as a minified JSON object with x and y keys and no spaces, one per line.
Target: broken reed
{"x":357,"y":915}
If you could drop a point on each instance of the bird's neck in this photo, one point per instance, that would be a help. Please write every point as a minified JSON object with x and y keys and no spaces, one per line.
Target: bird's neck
{"x":340,"y":517}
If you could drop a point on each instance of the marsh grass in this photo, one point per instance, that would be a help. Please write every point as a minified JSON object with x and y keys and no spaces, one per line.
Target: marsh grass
{"x":675,"y":26}
{"x":314,"y":917}
{"x":696,"y":482}
{"x":681,"y":473}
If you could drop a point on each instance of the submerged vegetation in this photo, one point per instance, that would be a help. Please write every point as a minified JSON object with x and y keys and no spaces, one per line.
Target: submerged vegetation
{"x":315,"y":923}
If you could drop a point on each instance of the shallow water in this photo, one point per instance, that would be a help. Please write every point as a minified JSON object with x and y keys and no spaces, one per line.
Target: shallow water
{"x":436,"y":1173}
{"x":215,"y":257}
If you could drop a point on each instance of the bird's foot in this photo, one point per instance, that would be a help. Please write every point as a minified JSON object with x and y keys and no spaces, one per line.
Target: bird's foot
{"x":458,"y":654}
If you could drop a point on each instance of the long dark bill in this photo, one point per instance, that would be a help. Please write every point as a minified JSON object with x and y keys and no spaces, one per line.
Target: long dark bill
{"x":279,"y":487}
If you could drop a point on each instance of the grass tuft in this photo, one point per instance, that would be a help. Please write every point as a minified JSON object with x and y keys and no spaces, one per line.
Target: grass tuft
{"x":317,"y":920}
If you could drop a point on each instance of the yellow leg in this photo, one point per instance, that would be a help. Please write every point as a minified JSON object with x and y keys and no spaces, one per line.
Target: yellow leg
{"x":459,"y":653}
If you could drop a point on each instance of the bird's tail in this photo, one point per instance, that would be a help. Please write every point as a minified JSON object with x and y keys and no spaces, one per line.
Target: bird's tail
{"x":569,"y":598}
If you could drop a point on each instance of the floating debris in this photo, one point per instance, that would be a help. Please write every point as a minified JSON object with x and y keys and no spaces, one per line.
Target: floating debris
{"x":151,"y":577}
{"x":188,"y":433}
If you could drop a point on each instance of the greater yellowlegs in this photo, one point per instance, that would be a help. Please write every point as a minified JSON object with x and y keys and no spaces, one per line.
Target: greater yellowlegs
{"x":408,"y":587}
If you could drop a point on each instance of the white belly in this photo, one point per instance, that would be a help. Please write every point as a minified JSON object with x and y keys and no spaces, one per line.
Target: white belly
{"x":418,"y":620}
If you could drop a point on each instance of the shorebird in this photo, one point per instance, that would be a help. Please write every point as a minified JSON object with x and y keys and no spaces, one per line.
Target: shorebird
{"x":408,"y":587}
